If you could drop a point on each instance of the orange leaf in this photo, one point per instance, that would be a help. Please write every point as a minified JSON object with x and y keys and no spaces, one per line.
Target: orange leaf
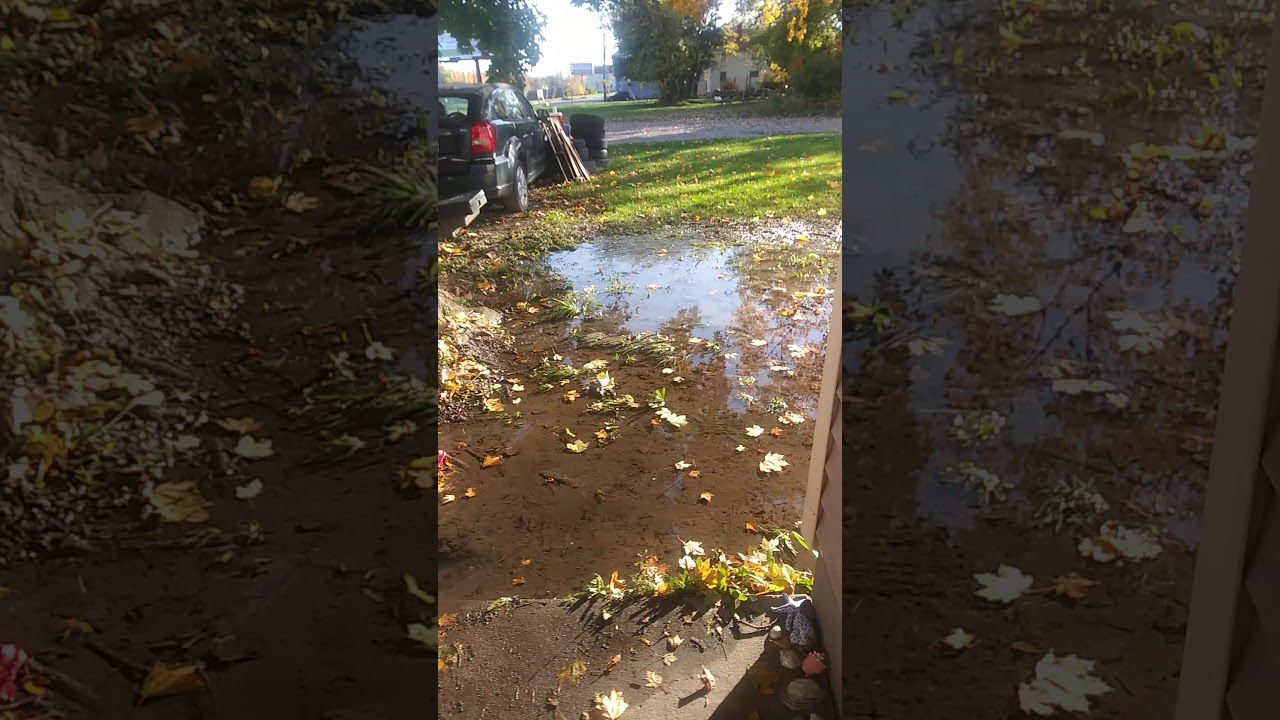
{"x":705,"y":498}
{"x":165,"y":680}
{"x":491,"y":460}
{"x":470,"y":493}
{"x":613,"y":662}
{"x":517,"y":581}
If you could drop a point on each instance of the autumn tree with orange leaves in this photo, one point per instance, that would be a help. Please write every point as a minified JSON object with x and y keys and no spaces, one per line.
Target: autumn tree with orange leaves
{"x":800,"y":39}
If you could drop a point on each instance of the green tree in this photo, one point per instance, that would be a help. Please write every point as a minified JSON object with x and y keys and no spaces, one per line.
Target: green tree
{"x":800,"y":39}
{"x":665,"y":42}
{"x":507,"y":32}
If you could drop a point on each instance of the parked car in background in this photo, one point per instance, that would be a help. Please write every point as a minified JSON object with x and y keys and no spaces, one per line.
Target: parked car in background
{"x":491,"y":139}
{"x":621,"y":95}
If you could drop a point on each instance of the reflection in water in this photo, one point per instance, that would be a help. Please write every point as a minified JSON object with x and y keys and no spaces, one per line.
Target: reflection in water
{"x":762,"y":303}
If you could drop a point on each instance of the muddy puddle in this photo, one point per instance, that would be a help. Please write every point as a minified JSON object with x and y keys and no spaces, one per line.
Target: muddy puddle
{"x":1035,"y":321}
{"x":746,"y":314}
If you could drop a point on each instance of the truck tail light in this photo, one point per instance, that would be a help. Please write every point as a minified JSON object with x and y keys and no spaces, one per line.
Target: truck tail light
{"x":484,"y":138}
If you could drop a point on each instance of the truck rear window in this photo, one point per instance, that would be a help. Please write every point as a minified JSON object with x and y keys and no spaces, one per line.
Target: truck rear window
{"x":455,"y":108}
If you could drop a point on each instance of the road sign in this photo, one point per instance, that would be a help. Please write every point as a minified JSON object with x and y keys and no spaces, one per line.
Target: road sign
{"x":450,"y":48}
{"x":581,"y":69}
{"x":603,"y":69}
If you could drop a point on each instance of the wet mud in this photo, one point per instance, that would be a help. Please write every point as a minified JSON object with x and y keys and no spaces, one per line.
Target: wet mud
{"x":1037,"y":292}
{"x":746,"y":310}
{"x":293,"y":602}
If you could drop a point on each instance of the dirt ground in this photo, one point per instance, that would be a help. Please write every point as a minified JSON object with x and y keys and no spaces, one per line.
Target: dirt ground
{"x":745,"y":307}
{"x":514,"y":663}
{"x":1100,"y":362}
{"x":292,"y":603}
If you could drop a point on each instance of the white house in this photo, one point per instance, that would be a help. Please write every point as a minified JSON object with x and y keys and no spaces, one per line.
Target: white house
{"x":733,"y":73}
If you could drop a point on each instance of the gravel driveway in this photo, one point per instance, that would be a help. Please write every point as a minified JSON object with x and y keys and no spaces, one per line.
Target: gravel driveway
{"x":709,"y":128}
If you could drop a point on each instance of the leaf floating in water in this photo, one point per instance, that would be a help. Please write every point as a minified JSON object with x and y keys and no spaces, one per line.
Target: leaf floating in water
{"x":1005,"y":586}
{"x":1060,"y":683}
{"x":773,"y":462}
{"x":1013,"y":306}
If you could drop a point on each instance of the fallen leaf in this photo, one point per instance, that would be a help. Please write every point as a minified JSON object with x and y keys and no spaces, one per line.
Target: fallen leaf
{"x":300,"y":202}
{"x":263,"y":187}
{"x":755,"y":431}
{"x":674,"y":642}
{"x":1115,"y":541}
{"x":420,"y":633}
{"x":695,"y":474}
{"x":773,"y":462}
{"x":612,"y":662}
{"x":612,"y":705}
{"x":517,"y":581}
{"x":776,"y":432}
{"x":1024,"y":647}
{"x":574,"y":670}
{"x":1013,"y":305}
{"x":752,"y":527}
{"x":705,"y":498}
{"x":253,"y":449}
{"x":1072,"y":586}
{"x":179,"y":502}
{"x":1004,"y":586}
{"x":411,"y":585}
{"x":249,"y":491}
{"x":494,"y":405}
{"x":708,"y":680}
{"x":445,"y":500}
{"x":652,"y":679}
{"x":470,"y":493}
{"x":740,"y":448}
{"x":668,"y":658}
{"x":74,"y":626}
{"x":570,"y":395}
{"x":1060,"y":683}
{"x":163,"y":680}
{"x":577,"y":446}
{"x":1075,"y":386}
{"x":602,"y":434}
{"x":681,"y":464}
{"x":958,"y":639}
{"x":243,"y":426}
{"x":491,"y":460}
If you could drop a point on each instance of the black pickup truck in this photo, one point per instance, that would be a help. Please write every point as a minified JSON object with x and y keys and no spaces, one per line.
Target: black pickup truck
{"x":491,"y":139}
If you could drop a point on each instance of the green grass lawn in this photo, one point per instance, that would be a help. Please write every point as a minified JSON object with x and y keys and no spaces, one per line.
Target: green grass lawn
{"x":670,"y":182}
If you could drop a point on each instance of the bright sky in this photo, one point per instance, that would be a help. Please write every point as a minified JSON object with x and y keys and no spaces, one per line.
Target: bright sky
{"x":572,"y":34}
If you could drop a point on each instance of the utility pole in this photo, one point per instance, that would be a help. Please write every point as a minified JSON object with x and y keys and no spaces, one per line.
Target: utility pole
{"x":604,"y":62}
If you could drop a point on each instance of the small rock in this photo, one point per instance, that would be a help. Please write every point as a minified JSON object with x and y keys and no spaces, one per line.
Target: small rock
{"x":791,"y":658}
{"x":802,"y":694}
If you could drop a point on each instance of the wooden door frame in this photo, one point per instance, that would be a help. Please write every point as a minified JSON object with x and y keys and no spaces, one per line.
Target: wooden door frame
{"x":1246,"y":393}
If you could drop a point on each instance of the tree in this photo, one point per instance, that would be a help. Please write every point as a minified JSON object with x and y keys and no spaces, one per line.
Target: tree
{"x":665,"y":42}
{"x":800,"y":39}
{"x":507,"y":32}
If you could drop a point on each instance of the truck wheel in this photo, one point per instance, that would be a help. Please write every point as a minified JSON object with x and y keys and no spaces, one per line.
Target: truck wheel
{"x":518,"y":200}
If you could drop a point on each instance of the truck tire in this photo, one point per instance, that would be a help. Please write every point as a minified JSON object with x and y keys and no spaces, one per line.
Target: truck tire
{"x":581,"y":146}
{"x":597,"y":144}
{"x":518,"y":200}
{"x":600,"y":155}
{"x":586,"y":126}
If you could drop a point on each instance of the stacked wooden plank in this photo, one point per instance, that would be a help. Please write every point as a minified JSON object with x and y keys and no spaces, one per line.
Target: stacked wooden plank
{"x":571,"y":165}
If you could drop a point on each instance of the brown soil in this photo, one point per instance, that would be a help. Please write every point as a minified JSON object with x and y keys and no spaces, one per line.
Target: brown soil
{"x":310,"y":622}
